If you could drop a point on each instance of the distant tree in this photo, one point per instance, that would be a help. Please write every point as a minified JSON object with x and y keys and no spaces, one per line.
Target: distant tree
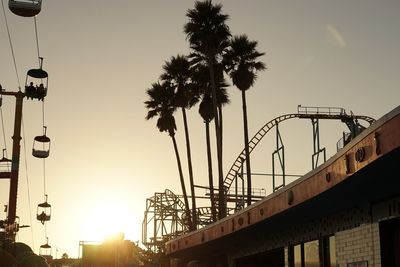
{"x":64,"y":256}
{"x":160,"y":103}
{"x":241,"y":63}
{"x":177,"y":72}
{"x":208,"y":35}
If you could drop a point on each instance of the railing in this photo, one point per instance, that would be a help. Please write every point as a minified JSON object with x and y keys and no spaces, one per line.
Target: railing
{"x":257,"y":192}
{"x":321,"y":110}
{"x":343,"y":141}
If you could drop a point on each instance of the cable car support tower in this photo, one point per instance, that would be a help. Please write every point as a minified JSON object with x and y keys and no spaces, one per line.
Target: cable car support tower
{"x":36,"y":85}
{"x":11,"y":227}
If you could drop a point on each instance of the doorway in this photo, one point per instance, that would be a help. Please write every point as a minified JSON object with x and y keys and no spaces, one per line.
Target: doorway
{"x":389,"y":231}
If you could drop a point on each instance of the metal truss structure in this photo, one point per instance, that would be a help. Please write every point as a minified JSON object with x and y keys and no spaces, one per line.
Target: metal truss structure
{"x":165,"y":217}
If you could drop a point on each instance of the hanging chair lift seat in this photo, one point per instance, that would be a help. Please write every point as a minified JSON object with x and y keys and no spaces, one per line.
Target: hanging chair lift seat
{"x":43,"y":212}
{"x":5,"y":166}
{"x":25,"y":8}
{"x":36,"y":77}
{"x":41,"y":153}
{"x":45,"y":250}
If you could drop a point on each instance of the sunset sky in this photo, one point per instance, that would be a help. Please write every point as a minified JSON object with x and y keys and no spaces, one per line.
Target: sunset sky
{"x":101,"y":56}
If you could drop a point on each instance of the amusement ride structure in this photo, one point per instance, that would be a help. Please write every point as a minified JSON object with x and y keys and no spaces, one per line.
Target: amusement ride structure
{"x":35,"y":88}
{"x":164,"y":217}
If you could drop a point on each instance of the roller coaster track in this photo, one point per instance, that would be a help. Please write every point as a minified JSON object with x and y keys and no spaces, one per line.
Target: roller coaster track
{"x":169,"y":206}
{"x":237,"y":164}
{"x":175,"y":199}
{"x":203,"y":213}
{"x":204,"y":216}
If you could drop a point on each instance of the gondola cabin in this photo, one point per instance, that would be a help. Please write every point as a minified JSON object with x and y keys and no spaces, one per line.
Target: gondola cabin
{"x":45,"y":250}
{"x":36,"y":83}
{"x":41,"y":146}
{"x":44,"y":211}
{"x":25,"y":8}
{"x":5,"y":167}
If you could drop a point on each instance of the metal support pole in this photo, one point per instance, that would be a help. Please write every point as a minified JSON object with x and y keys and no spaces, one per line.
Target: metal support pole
{"x":243,"y":191}
{"x":280,"y":152}
{"x":316,"y":144}
{"x":236,"y":192}
{"x":12,"y":203}
{"x":240,"y":200}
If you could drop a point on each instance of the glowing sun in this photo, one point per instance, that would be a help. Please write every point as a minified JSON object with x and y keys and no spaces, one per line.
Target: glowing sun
{"x":105,"y":219}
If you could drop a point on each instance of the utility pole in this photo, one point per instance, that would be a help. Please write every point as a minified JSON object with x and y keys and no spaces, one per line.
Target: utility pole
{"x":12,"y":226}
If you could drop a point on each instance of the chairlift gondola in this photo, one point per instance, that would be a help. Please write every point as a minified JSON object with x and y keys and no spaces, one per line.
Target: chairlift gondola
{"x":41,"y":145}
{"x":44,"y":211}
{"x":45,"y":250}
{"x":25,"y":8}
{"x":36,"y":82}
{"x":5,"y":166}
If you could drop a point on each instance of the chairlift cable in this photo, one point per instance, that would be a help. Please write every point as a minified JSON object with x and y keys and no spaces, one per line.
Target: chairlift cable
{"x":27,"y":180}
{"x":44,"y":160}
{"x":45,"y":232}
{"x":43,"y":114}
{"x":37,"y":39}
{"x":4,"y":133}
{"x":44,"y":176}
{"x":11,"y":44}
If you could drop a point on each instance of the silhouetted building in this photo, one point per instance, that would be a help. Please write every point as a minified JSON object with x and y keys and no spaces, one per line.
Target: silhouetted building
{"x":115,"y":252}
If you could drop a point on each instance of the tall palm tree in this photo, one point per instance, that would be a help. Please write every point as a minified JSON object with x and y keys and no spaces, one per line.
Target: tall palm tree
{"x":160,"y":104}
{"x":241,"y":63}
{"x":201,"y":80}
{"x":199,"y":63}
{"x":208,"y":35}
{"x":205,"y":111}
{"x":177,"y":72}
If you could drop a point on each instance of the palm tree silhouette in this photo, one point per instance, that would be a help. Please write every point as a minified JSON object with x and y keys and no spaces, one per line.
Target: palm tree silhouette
{"x":240,"y":61}
{"x":178,"y":73}
{"x":201,"y":80}
{"x":161,"y":104}
{"x":208,"y":35}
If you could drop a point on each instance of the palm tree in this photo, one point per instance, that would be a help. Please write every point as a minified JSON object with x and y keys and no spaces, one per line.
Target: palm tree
{"x":240,"y":61}
{"x":178,"y":73}
{"x":160,"y":104}
{"x":199,"y":63}
{"x":201,"y":79}
{"x":205,"y":111}
{"x":208,"y":35}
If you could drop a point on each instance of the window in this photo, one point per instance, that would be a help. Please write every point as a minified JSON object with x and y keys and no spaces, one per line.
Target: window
{"x":315,"y":253}
{"x":332,"y":251}
{"x":311,"y":254}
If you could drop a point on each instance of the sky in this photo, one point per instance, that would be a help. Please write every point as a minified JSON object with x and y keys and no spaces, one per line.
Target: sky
{"x":101,"y":56}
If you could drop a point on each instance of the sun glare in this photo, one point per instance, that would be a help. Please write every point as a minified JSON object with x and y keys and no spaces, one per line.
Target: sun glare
{"x":106,"y":219}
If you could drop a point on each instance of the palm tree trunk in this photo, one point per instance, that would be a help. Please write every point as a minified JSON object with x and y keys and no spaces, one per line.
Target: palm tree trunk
{"x":221,"y":131}
{"x":210,"y":174}
{"x":221,"y":189}
{"x":246,"y":147}
{"x":185,"y":198}
{"x":189,"y":158}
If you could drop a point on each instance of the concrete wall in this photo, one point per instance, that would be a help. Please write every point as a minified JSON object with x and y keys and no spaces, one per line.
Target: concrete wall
{"x":359,"y":244}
